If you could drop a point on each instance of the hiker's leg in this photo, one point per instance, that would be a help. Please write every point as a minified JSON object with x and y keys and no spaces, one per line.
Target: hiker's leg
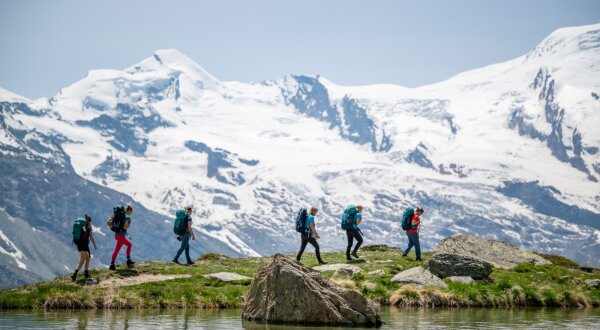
{"x":417,"y":245}
{"x":81,"y":260}
{"x":410,"y":244}
{"x":117,"y":247}
{"x":127,"y":243}
{"x":88,"y":257}
{"x":185,"y":239}
{"x":303,"y":242}
{"x":314,"y":243}
{"x":350,"y":241}
{"x":359,"y":241}
{"x":187,"y":252}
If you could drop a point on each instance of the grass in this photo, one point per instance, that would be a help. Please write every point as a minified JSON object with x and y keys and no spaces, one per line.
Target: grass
{"x":559,"y":284}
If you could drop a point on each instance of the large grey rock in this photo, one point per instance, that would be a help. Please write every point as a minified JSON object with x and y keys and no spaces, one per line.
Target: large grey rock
{"x":419,"y":277}
{"x":446,"y":265}
{"x":499,"y":254}
{"x":340,"y":269}
{"x":227,"y":277}
{"x":460,"y":279}
{"x":284,"y":291}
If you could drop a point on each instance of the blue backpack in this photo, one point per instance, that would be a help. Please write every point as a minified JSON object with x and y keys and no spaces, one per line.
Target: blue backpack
{"x":301,"y":221}
{"x":349,"y":217}
{"x":180,"y":225}
{"x":407,"y":217}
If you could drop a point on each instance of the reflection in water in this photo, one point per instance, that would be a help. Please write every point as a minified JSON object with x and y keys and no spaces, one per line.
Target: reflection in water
{"x":230,"y":319}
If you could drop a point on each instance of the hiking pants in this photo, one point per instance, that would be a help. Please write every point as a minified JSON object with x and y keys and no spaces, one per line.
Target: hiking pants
{"x":305,"y":239}
{"x":413,"y":240}
{"x":352,"y":234}
{"x":121,"y":239}
{"x":185,"y":245}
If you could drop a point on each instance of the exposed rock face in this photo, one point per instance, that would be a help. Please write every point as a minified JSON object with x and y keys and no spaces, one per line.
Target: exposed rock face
{"x":284,"y":291}
{"x":419,"y":277}
{"x":227,"y":277}
{"x":340,"y":269}
{"x":499,"y":254}
{"x":460,"y":279}
{"x":446,"y":265}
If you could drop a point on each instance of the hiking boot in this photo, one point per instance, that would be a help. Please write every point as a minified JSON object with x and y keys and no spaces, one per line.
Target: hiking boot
{"x":74,"y":276}
{"x":130,"y":262}
{"x":348,"y":258}
{"x":190,"y":263}
{"x":323,"y":262}
{"x":418,"y":259}
{"x":404,"y":256}
{"x":112,"y":267}
{"x":86,"y":274}
{"x":176,"y":261}
{"x":355,"y":255}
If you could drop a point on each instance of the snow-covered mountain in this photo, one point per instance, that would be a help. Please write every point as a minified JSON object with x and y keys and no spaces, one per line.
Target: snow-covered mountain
{"x":508,"y":151}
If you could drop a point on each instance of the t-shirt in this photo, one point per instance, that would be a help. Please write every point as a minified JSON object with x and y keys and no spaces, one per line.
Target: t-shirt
{"x":124,"y":232}
{"x":187,"y":219}
{"x":309,"y":220}
{"x":414,"y":222}
{"x":356,"y":217}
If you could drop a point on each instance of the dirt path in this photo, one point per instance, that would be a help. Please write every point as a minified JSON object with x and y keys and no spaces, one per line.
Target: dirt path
{"x":142,"y":278}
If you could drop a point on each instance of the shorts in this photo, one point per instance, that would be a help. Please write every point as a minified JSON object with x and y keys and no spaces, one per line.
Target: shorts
{"x":82,"y":246}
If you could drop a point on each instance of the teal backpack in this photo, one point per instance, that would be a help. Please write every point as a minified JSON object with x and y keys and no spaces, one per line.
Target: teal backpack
{"x":407,"y":217}
{"x":180,"y":225}
{"x":78,"y":228}
{"x":348,"y":218}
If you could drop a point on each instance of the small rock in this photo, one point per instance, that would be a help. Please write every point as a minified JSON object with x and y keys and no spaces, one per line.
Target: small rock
{"x":348,"y":270}
{"x":461,"y":279}
{"x":593,"y":283}
{"x":383,"y":261}
{"x":227,"y":277}
{"x":447,"y":264}
{"x":370,"y":285}
{"x":420,"y":277}
{"x":379,"y":272}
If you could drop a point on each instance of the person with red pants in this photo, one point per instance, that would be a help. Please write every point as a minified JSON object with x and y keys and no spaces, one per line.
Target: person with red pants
{"x":121,"y":238}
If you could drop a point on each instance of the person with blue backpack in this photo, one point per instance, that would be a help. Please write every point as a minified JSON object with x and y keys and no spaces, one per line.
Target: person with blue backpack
{"x":82,"y":235}
{"x":305,"y":224}
{"x":120,"y":223}
{"x":183,"y":230}
{"x":411,"y":221}
{"x":351,"y":218}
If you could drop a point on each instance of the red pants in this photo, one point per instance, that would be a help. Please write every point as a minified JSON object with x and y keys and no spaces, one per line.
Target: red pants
{"x":121,"y":239}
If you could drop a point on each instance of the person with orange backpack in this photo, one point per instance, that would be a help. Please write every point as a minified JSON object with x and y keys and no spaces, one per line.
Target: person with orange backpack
{"x":183,"y":230}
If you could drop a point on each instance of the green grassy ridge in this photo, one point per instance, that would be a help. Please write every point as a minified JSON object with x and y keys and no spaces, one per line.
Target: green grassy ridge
{"x":560,"y":284}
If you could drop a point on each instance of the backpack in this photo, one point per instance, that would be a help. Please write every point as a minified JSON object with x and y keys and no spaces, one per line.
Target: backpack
{"x":301,"y":221}
{"x":118,"y":219}
{"x":348,"y":218}
{"x":180,"y":225}
{"x":79,"y":228}
{"x":407,"y":217}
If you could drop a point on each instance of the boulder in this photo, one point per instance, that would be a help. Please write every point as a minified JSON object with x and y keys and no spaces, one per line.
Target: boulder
{"x":227,"y":277}
{"x":284,"y":291}
{"x":419,"y":277}
{"x":370,"y":285}
{"x":446,"y":265}
{"x":461,"y":279}
{"x":340,"y":269}
{"x":499,"y":254}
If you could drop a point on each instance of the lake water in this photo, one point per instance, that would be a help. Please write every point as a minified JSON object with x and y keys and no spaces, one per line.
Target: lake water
{"x":529,"y":318}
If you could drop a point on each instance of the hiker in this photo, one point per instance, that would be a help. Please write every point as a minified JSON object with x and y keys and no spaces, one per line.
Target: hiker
{"x":184,"y":233}
{"x":82,"y":235}
{"x":310,"y":235}
{"x":350,"y":220}
{"x":412,"y":231}
{"x":120,"y":224}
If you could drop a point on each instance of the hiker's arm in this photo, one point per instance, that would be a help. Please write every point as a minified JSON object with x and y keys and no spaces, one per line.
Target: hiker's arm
{"x":92,"y":239}
{"x":191,"y":230}
{"x":358,"y":220}
{"x":314,"y":231}
{"x":126,"y":226}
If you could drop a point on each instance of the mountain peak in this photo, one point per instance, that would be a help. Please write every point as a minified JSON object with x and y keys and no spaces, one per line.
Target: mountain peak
{"x":174,"y":60}
{"x":9,"y":96}
{"x":566,"y":41}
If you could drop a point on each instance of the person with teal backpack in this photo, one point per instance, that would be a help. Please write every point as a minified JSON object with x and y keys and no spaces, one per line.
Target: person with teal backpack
{"x":82,"y":235}
{"x":411,"y":221}
{"x":183,"y":229}
{"x":350,"y":219}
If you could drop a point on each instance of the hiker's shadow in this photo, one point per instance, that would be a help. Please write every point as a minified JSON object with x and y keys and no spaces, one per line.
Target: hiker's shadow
{"x":127,"y":272}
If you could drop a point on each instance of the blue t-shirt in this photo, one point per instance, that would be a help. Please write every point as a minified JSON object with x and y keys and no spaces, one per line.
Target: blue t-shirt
{"x":309,"y":220}
{"x":187,"y":219}
{"x":356,"y":217}
{"x":124,"y":232}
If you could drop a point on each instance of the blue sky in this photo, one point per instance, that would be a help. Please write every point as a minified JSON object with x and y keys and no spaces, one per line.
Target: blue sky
{"x":47,"y":45}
